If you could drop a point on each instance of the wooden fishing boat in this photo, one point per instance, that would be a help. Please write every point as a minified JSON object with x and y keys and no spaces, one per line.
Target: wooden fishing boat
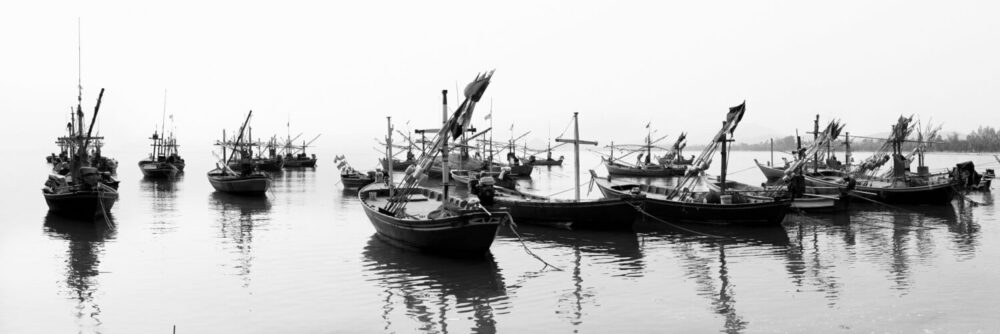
{"x":294,"y":156}
{"x":83,"y":191}
{"x":467,"y":177}
{"x":300,"y":160}
{"x":248,"y":180}
{"x":936,"y":192}
{"x":771,"y":173}
{"x":356,"y":180}
{"x":229,"y":181}
{"x":646,"y":170}
{"x":425,"y":219}
{"x":430,"y":222}
{"x":545,"y":162}
{"x":813,"y":200}
{"x":683,"y":204}
{"x":156,"y":165}
{"x":398,"y":165}
{"x":741,"y":210}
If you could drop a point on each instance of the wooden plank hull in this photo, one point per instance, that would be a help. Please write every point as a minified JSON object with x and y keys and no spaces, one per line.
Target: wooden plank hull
{"x":355,"y":182}
{"x":469,"y":234}
{"x":81,"y":204}
{"x":255,"y":184}
{"x":743,"y":214}
{"x":602,"y":214}
{"x":652,"y":171}
{"x":156,"y":170}
{"x":771,"y":173}
{"x":545,"y":163}
{"x":398,"y":166}
{"x":936,"y":194}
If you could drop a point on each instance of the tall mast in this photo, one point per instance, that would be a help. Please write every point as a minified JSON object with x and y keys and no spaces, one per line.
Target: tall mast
{"x":576,"y":152}
{"x":388,"y":151}
{"x":444,"y":146}
{"x":725,"y":161}
{"x":816,"y":153}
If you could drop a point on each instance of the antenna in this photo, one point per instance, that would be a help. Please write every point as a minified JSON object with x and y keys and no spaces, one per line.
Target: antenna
{"x":79,"y":63}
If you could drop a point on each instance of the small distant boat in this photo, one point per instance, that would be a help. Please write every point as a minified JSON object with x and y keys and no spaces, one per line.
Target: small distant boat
{"x":156,"y":165}
{"x":397,"y":165}
{"x":295,"y":155}
{"x":425,"y":219}
{"x":351,"y":178}
{"x":648,"y":170}
{"x":84,"y":191}
{"x":246,"y":181}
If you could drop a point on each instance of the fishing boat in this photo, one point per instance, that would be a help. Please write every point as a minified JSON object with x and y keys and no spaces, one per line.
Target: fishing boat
{"x":156,"y":165}
{"x":642,"y":168}
{"x":248,"y":180}
{"x":82,"y":192}
{"x":429,"y":220}
{"x":602,"y":213}
{"x":470,"y":178}
{"x":684,"y":204}
{"x":350,"y":177}
{"x":898,"y":185}
{"x":295,"y":155}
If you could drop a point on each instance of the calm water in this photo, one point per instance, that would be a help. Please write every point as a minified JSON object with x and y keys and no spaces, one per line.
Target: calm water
{"x":304,"y":260}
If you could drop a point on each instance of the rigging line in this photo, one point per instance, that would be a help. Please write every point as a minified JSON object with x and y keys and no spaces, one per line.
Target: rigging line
{"x":104,"y":211}
{"x":566,"y":129}
{"x":644,"y":213}
{"x":742,"y":170}
{"x":579,"y":185}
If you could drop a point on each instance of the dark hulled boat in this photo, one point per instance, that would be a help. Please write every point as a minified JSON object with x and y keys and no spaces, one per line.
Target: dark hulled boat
{"x":425,"y":219}
{"x":648,"y":170}
{"x":431,"y":223}
{"x":156,"y":165}
{"x":84,"y":192}
{"x":248,"y":180}
{"x":684,"y":204}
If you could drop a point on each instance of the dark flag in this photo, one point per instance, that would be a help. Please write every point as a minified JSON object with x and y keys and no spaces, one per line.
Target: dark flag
{"x":734,"y":116}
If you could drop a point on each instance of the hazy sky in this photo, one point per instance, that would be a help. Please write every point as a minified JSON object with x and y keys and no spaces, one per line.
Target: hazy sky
{"x":338,"y":68}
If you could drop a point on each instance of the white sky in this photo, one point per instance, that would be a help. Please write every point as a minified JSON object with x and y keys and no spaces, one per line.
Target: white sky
{"x":338,"y":68}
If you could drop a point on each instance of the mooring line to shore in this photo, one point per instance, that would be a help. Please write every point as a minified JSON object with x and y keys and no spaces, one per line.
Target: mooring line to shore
{"x":647,"y":214}
{"x":512,"y":225}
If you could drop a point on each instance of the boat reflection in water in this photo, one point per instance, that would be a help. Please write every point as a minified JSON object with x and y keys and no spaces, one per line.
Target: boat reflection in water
{"x":239,"y":216}
{"x":435,"y":291}
{"x":162,"y":193}
{"x":620,"y":248}
{"x":85,"y":245}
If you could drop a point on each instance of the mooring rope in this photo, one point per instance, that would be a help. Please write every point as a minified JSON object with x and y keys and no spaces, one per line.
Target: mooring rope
{"x":512,"y":225}
{"x":647,"y":214}
{"x":563,"y":191}
{"x":104,"y":211}
{"x":960,"y":194}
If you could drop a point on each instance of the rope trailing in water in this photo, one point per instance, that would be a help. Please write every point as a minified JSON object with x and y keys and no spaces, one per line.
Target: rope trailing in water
{"x":647,"y":214}
{"x":960,"y":194}
{"x":512,"y":225}
{"x":104,"y":211}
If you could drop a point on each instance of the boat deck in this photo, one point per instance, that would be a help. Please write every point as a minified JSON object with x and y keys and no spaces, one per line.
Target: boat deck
{"x":419,"y":205}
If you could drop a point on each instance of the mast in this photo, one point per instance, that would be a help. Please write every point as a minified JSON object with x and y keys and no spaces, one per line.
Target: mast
{"x":772,"y":152}
{"x":847,"y":150}
{"x":576,"y":152}
{"x":444,"y":146}
{"x":163,"y":123}
{"x":725,"y":160}
{"x":816,"y":153}
{"x":388,"y":151}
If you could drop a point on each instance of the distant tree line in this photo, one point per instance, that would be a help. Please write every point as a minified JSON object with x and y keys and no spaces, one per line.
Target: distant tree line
{"x":984,"y":139}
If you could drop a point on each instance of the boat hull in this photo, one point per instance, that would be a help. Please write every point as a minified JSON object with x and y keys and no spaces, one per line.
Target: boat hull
{"x":81,"y":204}
{"x":743,"y":214}
{"x":467,"y":235}
{"x":936,"y":194}
{"x":355,"y":182}
{"x":299,"y":163}
{"x":155,"y":170}
{"x":256,"y":184}
{"x":657,"y":171}
{"x":545,"y":163}
{"x":600,"y":214}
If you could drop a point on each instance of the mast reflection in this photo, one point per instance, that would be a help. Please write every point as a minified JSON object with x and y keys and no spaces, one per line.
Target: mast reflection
{"x":429,"y":288}
{"x":85,"y":241}
{"x":238,"y":217}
